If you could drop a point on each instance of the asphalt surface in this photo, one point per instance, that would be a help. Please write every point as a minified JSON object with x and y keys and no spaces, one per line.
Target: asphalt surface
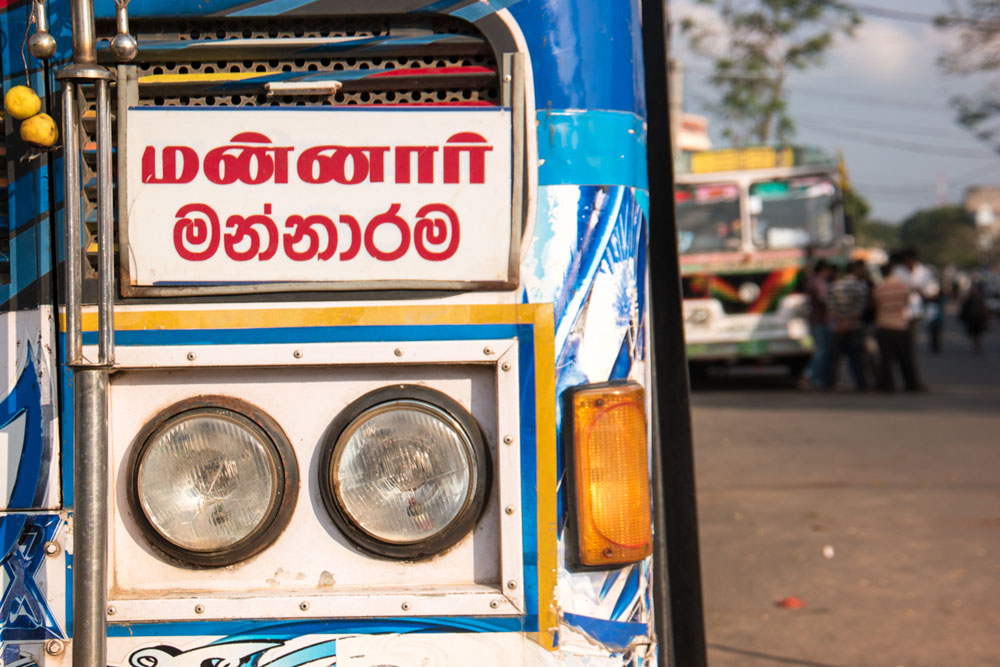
{"x":880,"y":514}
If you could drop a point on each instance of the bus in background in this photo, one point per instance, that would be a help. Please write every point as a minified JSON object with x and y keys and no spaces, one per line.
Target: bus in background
{"x":327,"y":337}
{"x":750,"y":220}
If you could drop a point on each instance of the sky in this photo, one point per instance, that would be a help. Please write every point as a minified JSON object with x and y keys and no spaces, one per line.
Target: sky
{"x":881,"y":99}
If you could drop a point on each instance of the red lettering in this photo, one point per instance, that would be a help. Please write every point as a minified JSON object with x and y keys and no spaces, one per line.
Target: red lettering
{"x":172,"y":156}
{"x":387,"y":218}
{"x":355,"y":247}
{"x":202,"y":230}
{"x":477,"y":157}
{"x":425,"y":163}
{"x":436,"y":232}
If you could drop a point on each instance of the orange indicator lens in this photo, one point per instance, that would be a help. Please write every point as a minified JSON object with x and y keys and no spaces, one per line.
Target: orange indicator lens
{"x":612,"y":474}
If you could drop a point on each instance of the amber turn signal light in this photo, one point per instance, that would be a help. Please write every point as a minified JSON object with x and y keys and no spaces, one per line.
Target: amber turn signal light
{"x":611,"y":473}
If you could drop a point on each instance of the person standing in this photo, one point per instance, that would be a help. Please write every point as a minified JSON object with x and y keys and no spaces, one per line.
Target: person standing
{"x":893,"y":331}
{"x":848,"y":299}
{"x":817,"y":290}
{"x":973,"y":315}
{"x":923,"y":287}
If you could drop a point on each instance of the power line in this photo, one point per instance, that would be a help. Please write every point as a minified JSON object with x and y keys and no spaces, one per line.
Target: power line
{"x":895,"y":143}
{"x":896,"y":14}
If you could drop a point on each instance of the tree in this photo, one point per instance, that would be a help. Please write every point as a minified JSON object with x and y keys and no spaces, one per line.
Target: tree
{"x":868,"y":233}
{"x":943,"y":235}
{"x":975,"y":25}
{"x":754,"y":45}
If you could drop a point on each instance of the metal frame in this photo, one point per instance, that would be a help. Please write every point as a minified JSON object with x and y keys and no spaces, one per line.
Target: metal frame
{"x":514,"y":94}
{"x":486,"y":599}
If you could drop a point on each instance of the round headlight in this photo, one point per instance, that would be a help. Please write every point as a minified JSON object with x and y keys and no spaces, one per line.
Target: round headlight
{"x":212,"y":485}
{"x":404,"y":472}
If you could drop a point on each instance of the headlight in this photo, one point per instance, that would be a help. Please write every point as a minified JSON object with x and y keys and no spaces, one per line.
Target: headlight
{"x":212,"y":485}
{"x":404,"y":472}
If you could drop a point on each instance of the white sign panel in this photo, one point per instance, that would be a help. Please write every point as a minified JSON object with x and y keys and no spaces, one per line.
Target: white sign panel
{"x":222,"y":196}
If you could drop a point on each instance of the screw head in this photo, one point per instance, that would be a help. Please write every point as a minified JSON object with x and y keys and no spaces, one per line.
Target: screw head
{"x":405,"y":606}
{"x":505,"y":366}
{"x":398,"y":351}
{"x":51,"y":548}
{"x":54,"y":647}
{"x":608,"y":553}
{"x":304,"y":606}
{"x":506,"y":78}
{"x":488,"y":351}
{"x":509,"y":509}
{"x":111,"y":611}
{"x":508,"y":440}
{"x":199,"y":609}
{"x":494,"y":604}
{"x":512,"y":584}
{"x":191,"y":356}
{"x":297,"y":354}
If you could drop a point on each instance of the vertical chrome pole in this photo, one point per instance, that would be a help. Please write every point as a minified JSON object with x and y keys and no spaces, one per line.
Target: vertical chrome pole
{"x":71,"y":227}
{"x":84,"y":40}
{"x":90,"y":517}
{"x":105,"y":232}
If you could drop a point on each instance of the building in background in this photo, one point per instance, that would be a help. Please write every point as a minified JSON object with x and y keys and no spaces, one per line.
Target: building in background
{"x":983,"y":203}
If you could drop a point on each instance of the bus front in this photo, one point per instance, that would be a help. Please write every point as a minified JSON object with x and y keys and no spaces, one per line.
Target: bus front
{"x":749,"y":222}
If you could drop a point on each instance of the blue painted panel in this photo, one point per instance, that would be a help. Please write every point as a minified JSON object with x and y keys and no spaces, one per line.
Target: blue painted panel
{"x":591,"y":148}
{"x":586,"y":54}
{"x":24,"y":611}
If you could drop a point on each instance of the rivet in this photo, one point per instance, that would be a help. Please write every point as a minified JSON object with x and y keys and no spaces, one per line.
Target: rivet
{"x":51,"y":548}
{"x":297,"y":354}
{"x":488,"y":351}
{"x":304,"y":606}
{"x":398,"y":351}
{"x":494,"y":604}
{"x":54,"y":647}
{"x":599,"y":402}
{"x":508,"y":440}
{"x":505,"y":366}
{"x":199,"y":609}
{"x":511,"y":584}
{"x":506,"y":78}
{"x":111,"y":611}
{"x":191,"y":356}
{"x":405,"y":606}
{"x":509,"y":509}
{"x":608,"y":553}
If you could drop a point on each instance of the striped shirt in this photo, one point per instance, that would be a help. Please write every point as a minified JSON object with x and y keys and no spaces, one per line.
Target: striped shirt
{"x":848,"y":299}
{"x":892,"y":304}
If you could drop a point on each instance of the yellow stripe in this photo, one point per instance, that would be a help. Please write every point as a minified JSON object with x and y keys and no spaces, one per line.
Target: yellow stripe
{"x":200,"y":76}
{"x":547,"y":475}
{"x":313,"y":317}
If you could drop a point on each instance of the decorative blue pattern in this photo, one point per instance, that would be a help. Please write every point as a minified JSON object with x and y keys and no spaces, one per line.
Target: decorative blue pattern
{"x":24,"y":611}
{"x":25,"y":400}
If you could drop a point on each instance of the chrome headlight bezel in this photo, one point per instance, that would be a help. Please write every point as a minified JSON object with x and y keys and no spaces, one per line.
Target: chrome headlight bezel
{"x":284,"y":470}
{"x":361,"y":410}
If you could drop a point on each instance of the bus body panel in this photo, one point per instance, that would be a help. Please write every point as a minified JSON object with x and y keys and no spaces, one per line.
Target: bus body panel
{"x":579,"y":316}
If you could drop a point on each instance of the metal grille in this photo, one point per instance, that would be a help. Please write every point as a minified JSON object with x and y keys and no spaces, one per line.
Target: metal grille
{"x":423,"y":60}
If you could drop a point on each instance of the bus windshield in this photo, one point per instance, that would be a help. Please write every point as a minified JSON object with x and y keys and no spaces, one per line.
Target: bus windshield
{"x":792,"y":212}
{"x":708,"y":217}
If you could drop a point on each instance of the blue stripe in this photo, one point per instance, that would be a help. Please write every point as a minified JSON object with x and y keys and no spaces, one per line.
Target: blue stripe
{"x":331,"y":334}
{"x":482,"y":9}
{"x":277,"y":630}
{"x":612,"y":634}
{"x":327,"y":649}
{"x":591,"y":148}
{"x":627,"y":597}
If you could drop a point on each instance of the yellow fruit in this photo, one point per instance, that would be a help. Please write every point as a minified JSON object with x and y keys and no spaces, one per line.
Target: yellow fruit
{"x":21,"y":102}
{"x":40,"y":130}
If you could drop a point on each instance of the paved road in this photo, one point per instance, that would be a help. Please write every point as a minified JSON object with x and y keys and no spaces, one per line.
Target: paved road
{"x":880,"y":512}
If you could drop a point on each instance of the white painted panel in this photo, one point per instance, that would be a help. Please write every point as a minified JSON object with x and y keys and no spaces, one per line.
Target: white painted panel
{"x":307,"y":194}
{"x":311,"y":562}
